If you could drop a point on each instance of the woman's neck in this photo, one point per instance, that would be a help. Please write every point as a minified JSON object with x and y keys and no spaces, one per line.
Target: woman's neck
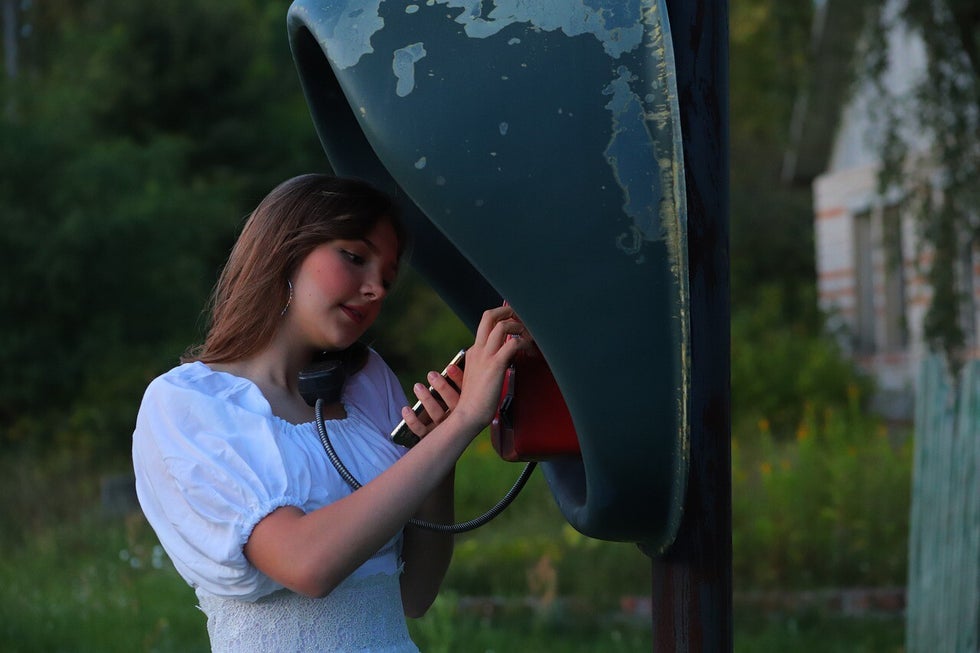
{"x":276,"y":375}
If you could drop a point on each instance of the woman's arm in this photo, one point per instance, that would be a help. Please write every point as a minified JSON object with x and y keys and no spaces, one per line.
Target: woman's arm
{"x":427,"y":553}
{"x":312,"y":553}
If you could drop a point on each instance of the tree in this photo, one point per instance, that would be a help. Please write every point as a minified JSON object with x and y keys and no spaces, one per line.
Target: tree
{"x":941,"y":108}
{"x":772,"y":241}
{"x":142,"y":137}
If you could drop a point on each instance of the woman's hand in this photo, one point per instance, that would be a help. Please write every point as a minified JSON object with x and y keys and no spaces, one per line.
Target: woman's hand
{"x":499,"y":337}
{"x":437,"y":400}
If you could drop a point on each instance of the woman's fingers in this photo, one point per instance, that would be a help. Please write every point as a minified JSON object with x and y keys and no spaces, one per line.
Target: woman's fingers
{"x":503,"y":331}
{"x":489,"y":321}
{"x":447,"y":394}
{"x":414,"y":423}
{"x":455,"y":375}
{"x":437,"y":400}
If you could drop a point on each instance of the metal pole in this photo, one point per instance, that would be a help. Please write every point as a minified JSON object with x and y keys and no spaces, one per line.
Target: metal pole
{"x":692,"y":581}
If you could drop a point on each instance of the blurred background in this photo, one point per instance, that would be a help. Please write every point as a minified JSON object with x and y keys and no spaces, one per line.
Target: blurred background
{"x":136,"y":137}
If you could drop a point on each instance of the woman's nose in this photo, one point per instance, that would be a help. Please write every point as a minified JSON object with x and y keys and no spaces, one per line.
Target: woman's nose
{"x":374,"y":288}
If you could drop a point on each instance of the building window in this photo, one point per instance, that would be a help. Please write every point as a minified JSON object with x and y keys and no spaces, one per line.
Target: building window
{"x":864,"y":287}
{"x":895,"y":321}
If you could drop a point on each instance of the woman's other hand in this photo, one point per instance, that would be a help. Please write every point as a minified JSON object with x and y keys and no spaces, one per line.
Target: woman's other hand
{"x":499,"y":337}
{"x":438,"y":400}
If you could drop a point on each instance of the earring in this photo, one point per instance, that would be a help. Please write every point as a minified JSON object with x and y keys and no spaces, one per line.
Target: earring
{"x":289,"y":300}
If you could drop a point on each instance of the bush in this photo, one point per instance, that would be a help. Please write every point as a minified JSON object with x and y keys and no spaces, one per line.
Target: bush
{"x":780,"y":366}
{"x":828,"y":508}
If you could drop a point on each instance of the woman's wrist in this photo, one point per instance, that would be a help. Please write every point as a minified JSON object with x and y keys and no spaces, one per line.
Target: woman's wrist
{"x":464,"y":423}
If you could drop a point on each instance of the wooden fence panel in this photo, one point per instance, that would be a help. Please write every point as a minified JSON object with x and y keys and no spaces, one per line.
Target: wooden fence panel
{"x":943,"y":611}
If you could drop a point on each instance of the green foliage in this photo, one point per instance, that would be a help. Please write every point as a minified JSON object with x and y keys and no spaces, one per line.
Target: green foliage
{"x":930,"y":146}
{"x":780,"y":365}
{"x":530,"y":550}
{"x":771,"y":224}
{"x":142,"y":133}
{"x":133,"y":145}
{"x":813,"y":632}
{"x":827,"y":509}
{"x":103,"y":261}
{"x":768,"y":55}
{"x":449,"y":627}
{"x":72,"y":578}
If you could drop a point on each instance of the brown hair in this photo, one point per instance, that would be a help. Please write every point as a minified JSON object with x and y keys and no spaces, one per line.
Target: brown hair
{"x":296,"y":217}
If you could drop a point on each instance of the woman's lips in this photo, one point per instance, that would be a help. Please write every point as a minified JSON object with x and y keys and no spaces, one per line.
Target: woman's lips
{"x":354,"y":314}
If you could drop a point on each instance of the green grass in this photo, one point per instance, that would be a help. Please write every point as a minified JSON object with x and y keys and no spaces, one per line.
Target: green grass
{"x":98,"y":585}
{"x":818,"y":632}
{"x":72,"y":580}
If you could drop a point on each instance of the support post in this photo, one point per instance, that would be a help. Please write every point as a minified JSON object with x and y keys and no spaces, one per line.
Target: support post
{"x":692,"y":580}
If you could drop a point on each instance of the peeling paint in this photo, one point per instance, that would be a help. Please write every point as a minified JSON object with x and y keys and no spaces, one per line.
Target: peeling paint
{"x":420,"y":163}
{"x":616,"y":24}
{"x":403,"y":65}
{"x":348,"y":38}
{"x":632,"y":157}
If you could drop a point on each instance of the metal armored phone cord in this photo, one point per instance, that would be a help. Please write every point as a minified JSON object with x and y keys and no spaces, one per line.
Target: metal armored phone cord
{"x":461,"y":527}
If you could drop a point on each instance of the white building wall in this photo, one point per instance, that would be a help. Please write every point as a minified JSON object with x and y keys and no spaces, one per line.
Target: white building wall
{"x":839,"y":198}
{"x":847,"y":190}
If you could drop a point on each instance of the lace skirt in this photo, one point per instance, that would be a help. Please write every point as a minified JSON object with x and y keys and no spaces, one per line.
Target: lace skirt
{"x":362,"y":614}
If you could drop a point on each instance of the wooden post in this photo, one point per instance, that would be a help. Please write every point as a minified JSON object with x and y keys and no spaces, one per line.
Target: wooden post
{"x":692,"y":581}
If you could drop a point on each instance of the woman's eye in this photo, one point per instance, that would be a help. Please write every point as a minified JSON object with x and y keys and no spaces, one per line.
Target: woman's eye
{"x":356,"y":259}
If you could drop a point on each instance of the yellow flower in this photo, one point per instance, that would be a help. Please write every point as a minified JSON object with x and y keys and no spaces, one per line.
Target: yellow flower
{"x":802,"y":433}
{"x":764,"y":425}
{"x":765,"y":468}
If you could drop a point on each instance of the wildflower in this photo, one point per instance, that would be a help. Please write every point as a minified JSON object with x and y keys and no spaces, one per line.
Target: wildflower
{"x":802,"y":432}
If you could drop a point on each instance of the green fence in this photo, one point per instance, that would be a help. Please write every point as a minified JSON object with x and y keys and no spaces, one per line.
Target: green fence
{"x":944,"y":542}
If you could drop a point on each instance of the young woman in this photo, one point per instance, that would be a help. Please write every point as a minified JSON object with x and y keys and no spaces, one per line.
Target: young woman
{"x":230,"y":471}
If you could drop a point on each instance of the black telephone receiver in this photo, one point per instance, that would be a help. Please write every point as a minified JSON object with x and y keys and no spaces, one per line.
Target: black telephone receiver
{"x":324,"y":378}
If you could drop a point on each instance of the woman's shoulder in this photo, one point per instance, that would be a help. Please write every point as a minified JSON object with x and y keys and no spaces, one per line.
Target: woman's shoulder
{"x":195,"y":386}
{"x":196,"y":377}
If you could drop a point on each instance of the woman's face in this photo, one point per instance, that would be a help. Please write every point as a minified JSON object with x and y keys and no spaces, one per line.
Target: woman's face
{"x":339,"y":287}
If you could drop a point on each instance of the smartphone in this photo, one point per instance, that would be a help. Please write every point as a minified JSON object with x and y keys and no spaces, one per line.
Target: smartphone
{"x":402,"y":434}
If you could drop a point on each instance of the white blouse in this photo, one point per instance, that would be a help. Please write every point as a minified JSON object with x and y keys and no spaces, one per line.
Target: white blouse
{"x":211,"y":460}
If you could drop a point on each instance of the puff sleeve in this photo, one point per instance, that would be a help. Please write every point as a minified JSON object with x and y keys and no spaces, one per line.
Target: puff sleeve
{"x":208,"y":469}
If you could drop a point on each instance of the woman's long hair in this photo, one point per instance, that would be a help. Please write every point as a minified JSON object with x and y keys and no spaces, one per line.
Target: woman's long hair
{"x":296,"y":217}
